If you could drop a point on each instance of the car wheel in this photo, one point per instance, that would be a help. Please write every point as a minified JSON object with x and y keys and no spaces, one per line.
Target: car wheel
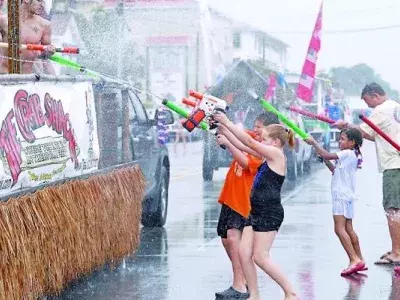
{"x":307,"y":165}
{"x":208,"y":173}
{"x":300,"y":167}
{"x":159,"y":217}
{"x":208,"y":170}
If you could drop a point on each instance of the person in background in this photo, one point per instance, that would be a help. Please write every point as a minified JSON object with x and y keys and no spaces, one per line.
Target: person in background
{"x":181,"y":134}
{"x":386,"y":116}
{"x":33,"y":30}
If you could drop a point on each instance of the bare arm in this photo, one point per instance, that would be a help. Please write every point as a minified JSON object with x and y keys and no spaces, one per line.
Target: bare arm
{"x":343,"y":124}
{"x":238,"y":155}
{"x":268,"y":152}
{"x":326,"y":156}
{"x":364,"y":134}
{"x":329,"y":165}
{"x":46,"y":40}
{"x":235,"y":142}
{"x":322,"y":152}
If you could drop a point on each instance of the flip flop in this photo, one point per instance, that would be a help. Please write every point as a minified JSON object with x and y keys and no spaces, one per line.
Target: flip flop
{"x":387,"y":261}
{"x":363,"y":269}
{"x":386,"y":254}
{"x":354,"y":269}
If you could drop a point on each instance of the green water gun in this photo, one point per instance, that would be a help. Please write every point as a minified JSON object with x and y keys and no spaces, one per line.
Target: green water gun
{"x":268,"y":106}
{"x":63,"y":61}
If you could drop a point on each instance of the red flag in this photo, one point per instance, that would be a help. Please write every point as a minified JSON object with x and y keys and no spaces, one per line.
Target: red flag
{"x":306,"y":84}
{"x":271,"y":87}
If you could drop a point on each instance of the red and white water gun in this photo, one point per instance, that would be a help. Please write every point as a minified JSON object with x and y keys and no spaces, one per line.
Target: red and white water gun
{"x":204,"y":107}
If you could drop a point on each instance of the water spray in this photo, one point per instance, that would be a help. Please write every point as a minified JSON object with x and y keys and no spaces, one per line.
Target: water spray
{"x":268,"y":106}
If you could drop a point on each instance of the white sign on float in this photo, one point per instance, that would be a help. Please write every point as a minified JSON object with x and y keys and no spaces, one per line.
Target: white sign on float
{"x":167,"y":71}
{"x":168,"y":85}
{"x":48,"y":132}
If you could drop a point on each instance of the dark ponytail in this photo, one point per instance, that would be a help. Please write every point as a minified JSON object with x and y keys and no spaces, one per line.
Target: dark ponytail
{"x":355,"y":135}
{"x":359,"y":156}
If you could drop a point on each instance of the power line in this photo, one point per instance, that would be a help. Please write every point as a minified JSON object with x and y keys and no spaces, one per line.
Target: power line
{"x":344,"y":31}
{"x":375,"y":11}
{"x":339,"y":31}
{"x":379,"y":10}
{"x":324,"y":31}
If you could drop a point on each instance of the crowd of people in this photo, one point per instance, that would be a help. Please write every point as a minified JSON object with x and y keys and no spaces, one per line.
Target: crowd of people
{"x":252,"y":213}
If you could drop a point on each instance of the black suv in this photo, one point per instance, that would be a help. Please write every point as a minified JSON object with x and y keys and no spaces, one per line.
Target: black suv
{"x":127,"y":134}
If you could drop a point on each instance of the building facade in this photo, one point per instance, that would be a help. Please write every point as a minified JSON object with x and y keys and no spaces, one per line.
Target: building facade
{"x":186,"y":44}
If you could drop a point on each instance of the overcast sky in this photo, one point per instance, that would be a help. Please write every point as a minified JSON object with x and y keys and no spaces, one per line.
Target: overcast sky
{"x":293,"y":20}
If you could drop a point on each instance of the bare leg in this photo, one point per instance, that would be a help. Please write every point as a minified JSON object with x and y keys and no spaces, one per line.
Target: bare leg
{"x":340,"y":230}
{"x":354,"y":238}
{"x":262,"y":245}
{"x":231,"y":245}
{"x":247,"y":263}
{"x":393,"y":217}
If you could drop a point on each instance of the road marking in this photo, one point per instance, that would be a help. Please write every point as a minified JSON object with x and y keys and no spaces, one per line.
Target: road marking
{"x":187,"y":172}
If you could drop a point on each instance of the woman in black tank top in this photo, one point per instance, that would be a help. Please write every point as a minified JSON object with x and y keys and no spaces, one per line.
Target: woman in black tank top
{"x":266,"y":208}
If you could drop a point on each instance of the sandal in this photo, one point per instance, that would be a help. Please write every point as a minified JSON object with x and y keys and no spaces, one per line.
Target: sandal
{"x":353,"y":269}
{"x":231,"y":293}
{"x":363,"y":269}
{"x":387,"y":261}
{"x":386,"y":254}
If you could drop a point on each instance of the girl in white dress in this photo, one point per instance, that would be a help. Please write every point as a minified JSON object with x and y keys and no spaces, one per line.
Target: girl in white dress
{"x":347,"y":161}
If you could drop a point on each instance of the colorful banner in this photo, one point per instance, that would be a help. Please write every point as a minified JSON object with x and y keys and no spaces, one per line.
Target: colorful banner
{"x":48,"y":132}
{"x":305,"y":87}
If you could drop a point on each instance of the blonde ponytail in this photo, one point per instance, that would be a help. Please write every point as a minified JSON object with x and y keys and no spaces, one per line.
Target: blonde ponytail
{"x":280,"y":133}
{"x":291,"y":140}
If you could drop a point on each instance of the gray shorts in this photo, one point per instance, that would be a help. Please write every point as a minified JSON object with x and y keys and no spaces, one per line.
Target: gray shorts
{"x":391,"y":189}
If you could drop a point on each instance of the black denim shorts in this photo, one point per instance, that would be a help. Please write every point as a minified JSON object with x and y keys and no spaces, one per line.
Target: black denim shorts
{"x":229,"y":219}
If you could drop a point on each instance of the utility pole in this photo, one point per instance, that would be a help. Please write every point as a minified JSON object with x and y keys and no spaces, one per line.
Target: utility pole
{"x":120,"y":14}
{"x":14,"y":64}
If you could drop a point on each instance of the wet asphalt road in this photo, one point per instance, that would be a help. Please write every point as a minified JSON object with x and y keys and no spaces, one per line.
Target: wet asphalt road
{"x":185,"y":260}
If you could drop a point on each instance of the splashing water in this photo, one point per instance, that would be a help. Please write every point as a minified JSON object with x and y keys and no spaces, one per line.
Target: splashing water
{"x":210,"y":46}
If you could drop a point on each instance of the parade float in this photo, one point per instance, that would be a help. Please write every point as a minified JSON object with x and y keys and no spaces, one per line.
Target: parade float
{"x":70,"y":201}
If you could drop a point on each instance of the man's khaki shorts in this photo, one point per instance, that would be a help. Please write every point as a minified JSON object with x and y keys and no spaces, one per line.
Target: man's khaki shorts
{"x":391,"y":189}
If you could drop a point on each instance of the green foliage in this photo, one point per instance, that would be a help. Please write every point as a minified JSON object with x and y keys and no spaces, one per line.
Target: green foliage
{"x":100,"y":37}
{"x":353,"y":79}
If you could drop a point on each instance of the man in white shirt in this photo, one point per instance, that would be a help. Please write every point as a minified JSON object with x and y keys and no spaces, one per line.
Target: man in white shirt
{"x":386,"y":116}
